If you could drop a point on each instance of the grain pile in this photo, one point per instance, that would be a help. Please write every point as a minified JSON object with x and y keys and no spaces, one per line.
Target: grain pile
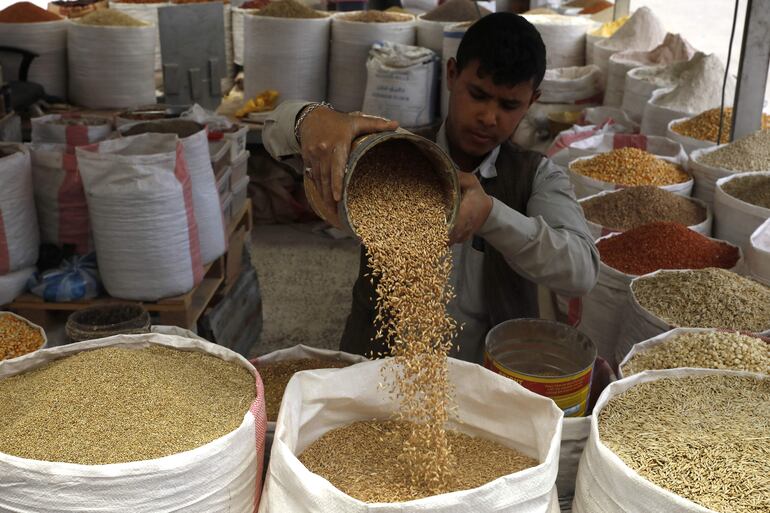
{"x":707,"y":350}
{"x":26,"y":12}
{"x":456,"y":10}
{"x":397,"y":205}
{"x":654,"y":246}
{"x":705,"y":298}
{"x":630,"y":166}
{"x":289,"y":9}
{"x":753,"y":189}
{"x":17,"y":337}
{"x":275,"y":376}
{"x":363,"y":460}
{"x":635,"y":206}
{"x":752,"y":153}
{"x":376,"y":17}
{"x":705,"y":126}
{"x":701,"y":437}
{"x":110,"y":18}
{"x":116,"y":405}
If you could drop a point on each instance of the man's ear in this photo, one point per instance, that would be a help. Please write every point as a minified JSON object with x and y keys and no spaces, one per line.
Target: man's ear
{"x":535,"y":97}
{"x":452,"y":73}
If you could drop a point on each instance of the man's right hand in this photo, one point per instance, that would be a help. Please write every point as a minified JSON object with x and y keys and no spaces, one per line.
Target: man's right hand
{"x":326,"y":137}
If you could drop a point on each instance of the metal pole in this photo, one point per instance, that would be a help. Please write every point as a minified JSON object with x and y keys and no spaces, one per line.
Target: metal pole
{"x":752,"y":70}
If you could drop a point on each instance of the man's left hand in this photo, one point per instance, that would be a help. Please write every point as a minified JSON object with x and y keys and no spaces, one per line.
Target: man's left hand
{"x":475,"y":207}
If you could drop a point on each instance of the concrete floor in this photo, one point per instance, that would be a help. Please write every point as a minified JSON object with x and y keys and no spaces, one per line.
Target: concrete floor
{"x":306,"y":279}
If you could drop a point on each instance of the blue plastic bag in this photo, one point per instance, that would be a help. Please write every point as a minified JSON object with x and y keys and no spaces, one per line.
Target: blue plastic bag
{"x":76,"y":278}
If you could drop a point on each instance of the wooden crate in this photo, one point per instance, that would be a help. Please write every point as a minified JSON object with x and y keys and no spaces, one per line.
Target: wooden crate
{"x":183,"y":310}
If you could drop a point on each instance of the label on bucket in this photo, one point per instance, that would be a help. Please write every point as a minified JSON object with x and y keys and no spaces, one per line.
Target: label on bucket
{"x":570,"y":393}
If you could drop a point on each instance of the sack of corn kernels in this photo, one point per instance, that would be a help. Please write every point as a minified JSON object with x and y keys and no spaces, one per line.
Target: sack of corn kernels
{"x":71,"y":129}
{"x":19,"y":237}
{"x":603,"y":143}
{"x":224,"y":474}
{"x":489,"y":406}
{"x":139,"y":195}
{"x":671,"y":424}
{"x":62,"y":209}
{"x":741,"y":205}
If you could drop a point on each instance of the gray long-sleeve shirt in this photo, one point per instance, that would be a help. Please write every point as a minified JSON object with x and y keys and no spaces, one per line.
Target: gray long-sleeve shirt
{"x":550,"y":246}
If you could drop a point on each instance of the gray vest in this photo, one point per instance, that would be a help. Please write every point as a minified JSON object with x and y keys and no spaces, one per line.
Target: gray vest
{"x":507,"y":295}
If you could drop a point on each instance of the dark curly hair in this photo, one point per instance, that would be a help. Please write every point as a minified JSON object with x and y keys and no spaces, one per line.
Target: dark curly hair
{"x":507,"y":46}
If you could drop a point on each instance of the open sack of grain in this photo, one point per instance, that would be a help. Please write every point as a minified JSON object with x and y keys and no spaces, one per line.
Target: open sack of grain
{"x":139,"y":195}
{"x":75,"y":130}
{"x":278,"y":367}
{"x":604,"y":143}
{"x":19,"y":237}
{"x":684,"y":440}
{"x":101,"y":448}
{"x":703,"y":298}
{"x":627,"y":167}
{"x":319,"y":401}
{"x":741,"y":205}
{"x":758,"y":253}
{"x":701,"y":348}
{"x":636,"y":252}
{"x":701,"y":131}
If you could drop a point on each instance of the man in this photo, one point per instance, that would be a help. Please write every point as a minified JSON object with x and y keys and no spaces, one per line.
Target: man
{"x":519,"y":223}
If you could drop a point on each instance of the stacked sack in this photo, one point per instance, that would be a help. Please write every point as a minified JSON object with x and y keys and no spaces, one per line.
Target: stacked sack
{"x":564,"y":38}
{"x":19,"y":237}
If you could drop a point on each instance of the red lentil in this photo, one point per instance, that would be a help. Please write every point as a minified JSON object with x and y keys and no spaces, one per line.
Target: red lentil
{"x":655,"y":246}
{"x":26,"y":12}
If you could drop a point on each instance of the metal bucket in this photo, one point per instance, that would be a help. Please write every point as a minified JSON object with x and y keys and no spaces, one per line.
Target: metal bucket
{"x":442,"y":165}
{"x":546,"y":357}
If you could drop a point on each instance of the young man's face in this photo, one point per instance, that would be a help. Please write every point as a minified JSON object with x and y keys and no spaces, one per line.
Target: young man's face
{"x":482,"y":114}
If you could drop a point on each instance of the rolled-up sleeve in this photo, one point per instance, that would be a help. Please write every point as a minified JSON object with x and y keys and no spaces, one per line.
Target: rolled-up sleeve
{"x":278,"y":133}
{"x":551,"y":245}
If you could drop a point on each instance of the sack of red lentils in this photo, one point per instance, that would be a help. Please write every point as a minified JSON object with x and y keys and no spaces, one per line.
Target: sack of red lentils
{"x":224,"y":474}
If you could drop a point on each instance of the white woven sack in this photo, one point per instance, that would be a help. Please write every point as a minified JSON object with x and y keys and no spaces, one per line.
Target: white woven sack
{"x":690,"y":144}
{"x":62,"y":209}
{"x":13,"y":284}
{"x":139,"y":196}
{"x":453,"y":34}
{"x":298,"y":352}
{"x":605,"y":484}
{"x":430,"y":34}
{"x":758,"y":254}
{"x":586,"y":186}
{"x":604,"y":143}
{"x":238,"y":18}
{"x":45,"y":129}
{"x":637,"y":92}
{"x":401,"y":84}
{"x":222,"y":475}
{"x":591,"y":40}
{"x":656,"y":118}
{"x":706,"y":176}
{"x":111,"y":67}
{"x":205,"y":194}
{"x":489,"y":406}
{"x":597,"y":230}
{"x":289,"y":55}
{"x":19,"y":236}
{"x":646,"y":345}
{"x":349,"y":51}
{"x":640,"y":324}
{"x":49,"y":41}
{"x":574,"y":435}
{"x":147,"y":13}
{"x":616,"y":78}
{"x":577,"y":84}
{"x":734,"y":219}
{"x":564,"y":38}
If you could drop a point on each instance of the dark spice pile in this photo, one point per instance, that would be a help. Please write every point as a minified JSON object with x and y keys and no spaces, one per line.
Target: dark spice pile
{"x":289,"y":9}
{"x":657,"y":246}
{"x":635,"y":206}
{"x":456,"y":10}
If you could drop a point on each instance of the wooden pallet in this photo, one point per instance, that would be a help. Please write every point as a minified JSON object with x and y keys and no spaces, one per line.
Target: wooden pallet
{"x":183,"y":310}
